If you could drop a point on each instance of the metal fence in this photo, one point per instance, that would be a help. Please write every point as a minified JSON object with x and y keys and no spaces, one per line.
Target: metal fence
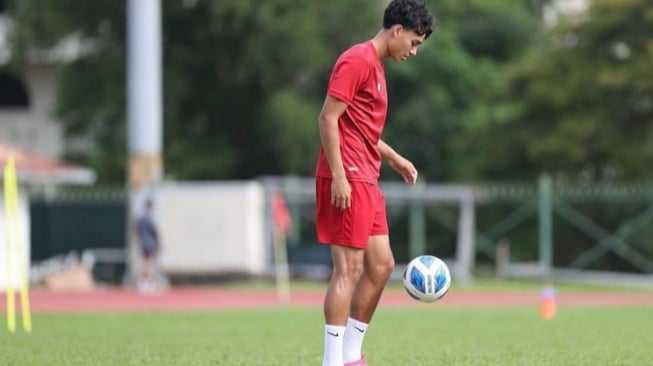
{"x":519,"y":230}
{"x":539,"y":227}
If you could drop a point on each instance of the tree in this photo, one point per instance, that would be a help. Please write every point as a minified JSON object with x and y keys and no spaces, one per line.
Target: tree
{"x":241,"y":80}
{"x":244,"y":80}
{"x":580,"y":107}
{"x":435,"y":98}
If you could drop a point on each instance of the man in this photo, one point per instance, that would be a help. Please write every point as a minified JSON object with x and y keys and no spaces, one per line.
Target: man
{"x":350,"y":209}
{"x":148,"y":237}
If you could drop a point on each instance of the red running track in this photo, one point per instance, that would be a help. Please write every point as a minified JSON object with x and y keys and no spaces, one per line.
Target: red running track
{"x":194,"y":298}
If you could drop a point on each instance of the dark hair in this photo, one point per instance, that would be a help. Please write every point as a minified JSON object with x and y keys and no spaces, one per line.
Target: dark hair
{"x":411,"y":14}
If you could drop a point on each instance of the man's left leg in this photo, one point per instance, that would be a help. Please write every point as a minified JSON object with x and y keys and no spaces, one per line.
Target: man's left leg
{"x":377,"y":267}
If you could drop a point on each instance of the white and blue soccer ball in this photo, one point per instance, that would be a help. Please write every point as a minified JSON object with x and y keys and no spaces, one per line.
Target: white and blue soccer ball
{"x":427,"y":278}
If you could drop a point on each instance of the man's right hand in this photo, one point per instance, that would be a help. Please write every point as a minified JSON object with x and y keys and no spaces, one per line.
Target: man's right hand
{"x":340,"y":193}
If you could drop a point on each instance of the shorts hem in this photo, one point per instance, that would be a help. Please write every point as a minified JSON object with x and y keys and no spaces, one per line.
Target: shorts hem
{"x":348,"y":245}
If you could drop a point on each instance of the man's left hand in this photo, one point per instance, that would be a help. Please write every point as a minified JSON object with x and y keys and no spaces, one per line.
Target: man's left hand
{"x":405,"y":168}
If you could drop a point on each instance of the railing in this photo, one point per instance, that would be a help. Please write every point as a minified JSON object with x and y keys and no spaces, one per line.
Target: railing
{"x":555,"y":227}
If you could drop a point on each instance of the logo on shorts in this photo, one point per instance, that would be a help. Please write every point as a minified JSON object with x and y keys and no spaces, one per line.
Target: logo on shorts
{"x":353,"y":168}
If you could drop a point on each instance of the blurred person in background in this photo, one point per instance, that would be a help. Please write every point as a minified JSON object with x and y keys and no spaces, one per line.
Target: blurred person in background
{"x":148,"y":239}
{"x":350,"y":207}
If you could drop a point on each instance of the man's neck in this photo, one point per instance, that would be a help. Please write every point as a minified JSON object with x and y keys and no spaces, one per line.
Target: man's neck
{"x":380,"y":42}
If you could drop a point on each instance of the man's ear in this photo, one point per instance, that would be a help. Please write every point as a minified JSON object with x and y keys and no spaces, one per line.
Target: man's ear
{"x":396,"y":30}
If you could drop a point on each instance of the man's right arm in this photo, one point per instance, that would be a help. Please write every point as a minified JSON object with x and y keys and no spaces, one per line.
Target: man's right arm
{"x":328,"y":124}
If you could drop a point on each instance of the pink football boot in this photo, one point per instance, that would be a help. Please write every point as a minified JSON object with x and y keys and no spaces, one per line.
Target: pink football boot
{"x":360,"y":362}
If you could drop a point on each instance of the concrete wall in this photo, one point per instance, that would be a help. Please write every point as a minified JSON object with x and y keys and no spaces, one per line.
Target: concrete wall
{"x":212,"y":227}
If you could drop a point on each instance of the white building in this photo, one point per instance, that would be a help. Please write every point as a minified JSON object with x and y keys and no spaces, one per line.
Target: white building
{"x":33,"y":137}
{"x":27,"y":102}
{"x":571,"y":9}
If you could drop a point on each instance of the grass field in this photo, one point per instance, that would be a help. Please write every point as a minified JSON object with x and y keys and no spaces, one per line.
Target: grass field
{"x":428,"y":335}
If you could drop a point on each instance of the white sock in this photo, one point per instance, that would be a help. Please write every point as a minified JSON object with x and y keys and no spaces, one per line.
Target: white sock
{"x":353,"y":343}
{"x":333,"y":336}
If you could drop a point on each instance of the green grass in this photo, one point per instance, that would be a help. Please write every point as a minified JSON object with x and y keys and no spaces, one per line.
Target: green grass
{"x":427,"y":335}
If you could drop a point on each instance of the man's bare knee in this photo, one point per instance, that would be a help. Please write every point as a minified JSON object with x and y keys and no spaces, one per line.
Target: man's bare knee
{"x":348,"y":272}
{"x":347,"y":265}
{"x":381,"y":271}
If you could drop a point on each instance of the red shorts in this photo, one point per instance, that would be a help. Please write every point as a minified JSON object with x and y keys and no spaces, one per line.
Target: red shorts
{"x":352,"y":227}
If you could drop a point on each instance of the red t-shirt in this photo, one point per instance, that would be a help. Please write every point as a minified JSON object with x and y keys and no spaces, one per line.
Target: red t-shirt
{"x":358,"y":79}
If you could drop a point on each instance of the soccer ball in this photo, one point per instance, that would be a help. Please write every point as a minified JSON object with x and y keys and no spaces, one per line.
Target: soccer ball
{"x":427,"y":278}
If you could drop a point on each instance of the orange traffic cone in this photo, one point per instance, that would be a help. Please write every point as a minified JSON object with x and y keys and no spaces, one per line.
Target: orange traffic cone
{"x":548,"y":305}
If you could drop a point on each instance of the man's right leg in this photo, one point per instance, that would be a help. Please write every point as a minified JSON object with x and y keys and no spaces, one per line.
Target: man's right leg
{"x":144,"y":275}
{"x":378,"y":266}
{"x":347,"y":269}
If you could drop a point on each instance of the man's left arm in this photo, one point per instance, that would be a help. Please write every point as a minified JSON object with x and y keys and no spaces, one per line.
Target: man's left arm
{"x":397,"y":162}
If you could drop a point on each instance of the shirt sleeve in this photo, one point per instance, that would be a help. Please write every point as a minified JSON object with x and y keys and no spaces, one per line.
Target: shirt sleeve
{"x":348,"y":76}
